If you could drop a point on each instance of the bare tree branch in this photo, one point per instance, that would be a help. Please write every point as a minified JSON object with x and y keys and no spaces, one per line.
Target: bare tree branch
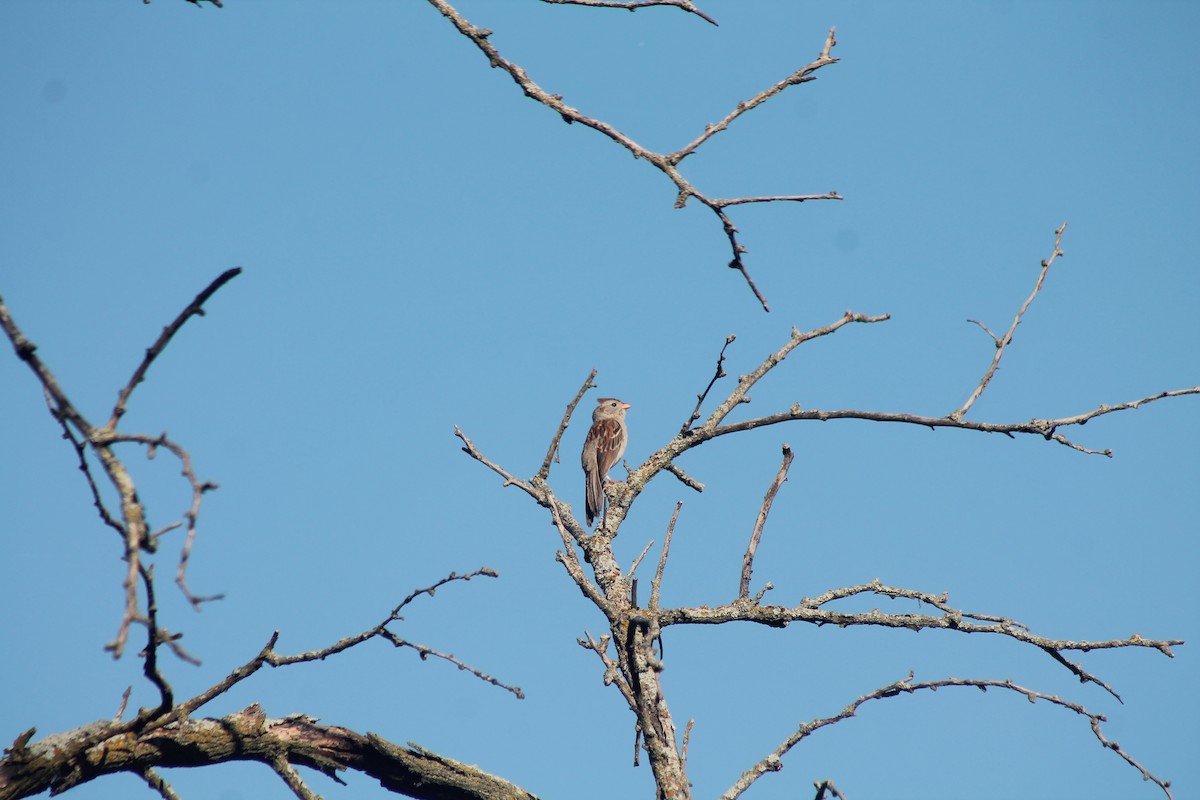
{"x":61,"y":762}
{"x":195,"y":308}
{"x":199,"y":488}
{"x":1046,"y":428}
{"x":779,"y":198}
{"x":684,"y":478}
{"x":694,"y":437}
{"x":570,"y":562}
{"x":287,"y":773}
{"x":552,"y":451}
{"x":382,"y":631}
{"x":1002,"y":343}
{"x":666,"y":163}
{"x":633,"y":567}
{"x":509,"y":479}
{"x":612,"y":671}
{"x":720,"y":373}
{"x":133,"y":527}
{"x":634,"y":630}
{"x":761,"y":521}
{"x":634,"y":5}
{"x":656,"y":584}
{"x":158,"y":784}
{"x":773,"y":761}
{"x":802,"y":75}
{"x":824,"y":787}
{"x":810,"y":610}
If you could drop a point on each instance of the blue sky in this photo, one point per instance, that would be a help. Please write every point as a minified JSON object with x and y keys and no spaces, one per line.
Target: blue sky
{"x":425,"y":247}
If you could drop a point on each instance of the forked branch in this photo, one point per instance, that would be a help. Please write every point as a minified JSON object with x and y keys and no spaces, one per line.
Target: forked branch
{"x":1004,"y":341}
{"x":132,"y":523}
{"x":667,"y":163}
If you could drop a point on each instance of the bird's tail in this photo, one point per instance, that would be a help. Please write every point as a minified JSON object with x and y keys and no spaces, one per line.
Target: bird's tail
{"x":595,"y":494}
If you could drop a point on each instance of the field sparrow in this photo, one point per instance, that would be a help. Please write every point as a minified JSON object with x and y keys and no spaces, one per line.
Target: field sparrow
{"x":602,"y":450}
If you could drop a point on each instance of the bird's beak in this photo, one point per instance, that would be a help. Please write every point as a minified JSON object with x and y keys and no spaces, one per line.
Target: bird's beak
{"x":626,"y":406}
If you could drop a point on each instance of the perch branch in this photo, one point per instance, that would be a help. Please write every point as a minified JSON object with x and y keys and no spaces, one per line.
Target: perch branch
{"x":693,"y":437}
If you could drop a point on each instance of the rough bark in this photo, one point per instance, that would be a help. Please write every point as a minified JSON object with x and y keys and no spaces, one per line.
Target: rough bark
{"x":62,"y":761}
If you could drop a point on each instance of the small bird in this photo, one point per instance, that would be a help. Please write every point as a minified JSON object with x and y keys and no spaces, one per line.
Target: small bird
{"x":602,"y":450}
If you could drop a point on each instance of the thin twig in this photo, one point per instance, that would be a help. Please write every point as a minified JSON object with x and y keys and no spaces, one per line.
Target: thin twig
{"x":1004,"y":342}
{"x":158,"y":784}
{"x":684,"y":478}
{"x":81,"y":453}
{"x":195,"y":308}
{"x":802,"y":75}
{"x":788,"y":198}
{"x":292,"y":778}
{"x":347,"y":642}
{"x":426,"y":652}
{"x":150,"y":654}
{"x":747,"y":382}
{"x":827,"y":786}
{"x":509,"y":479}
{"x":268,"y":656}
{"x":656,"y":584}
{"x":638,"y":560}
{"x":124,"y":702}
{"x":192,"y":515}
{"x":552,"y":451}
{"x":382,"y":631}
{"x":717,"y":375}
{"x":634,"y":5}
{"x":612,"y":672}
{"x":773,"y":761}
{"x":761,"y":521}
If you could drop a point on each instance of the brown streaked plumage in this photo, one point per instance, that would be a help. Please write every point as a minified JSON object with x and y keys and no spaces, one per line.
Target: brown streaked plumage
{"x":602,"y":450}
